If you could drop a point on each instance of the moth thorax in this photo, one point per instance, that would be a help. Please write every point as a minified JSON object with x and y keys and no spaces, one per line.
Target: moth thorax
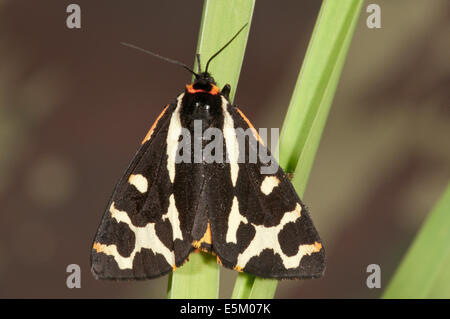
{"x":203,"y":85}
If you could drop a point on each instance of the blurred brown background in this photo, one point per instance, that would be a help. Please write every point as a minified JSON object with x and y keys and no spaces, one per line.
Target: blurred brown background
{"x":74,"y":106}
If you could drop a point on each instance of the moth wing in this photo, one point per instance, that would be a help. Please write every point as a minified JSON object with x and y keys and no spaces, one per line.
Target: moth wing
{"x":142,"y":234}
{"x":259,"y":224}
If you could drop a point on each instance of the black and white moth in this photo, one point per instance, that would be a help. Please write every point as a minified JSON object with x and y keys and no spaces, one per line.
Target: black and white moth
{"x":162,"y":209}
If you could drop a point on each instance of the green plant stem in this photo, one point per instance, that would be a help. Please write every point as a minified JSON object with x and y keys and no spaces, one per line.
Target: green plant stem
{"x":315,"y":84}
{"x":198,"y":278}
{"x":221,"y":19}
{"x":309,"y":107}
{"x":424,"y":272}
{"x":243,"y":286}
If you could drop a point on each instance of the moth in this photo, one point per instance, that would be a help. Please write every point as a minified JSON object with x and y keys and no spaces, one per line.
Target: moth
{"x":164,"y":208}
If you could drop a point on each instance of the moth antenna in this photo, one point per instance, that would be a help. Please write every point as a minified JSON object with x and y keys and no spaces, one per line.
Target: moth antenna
{"x":160,"y":57}
{"x":198,"y":63}
{"x":223,"y":48}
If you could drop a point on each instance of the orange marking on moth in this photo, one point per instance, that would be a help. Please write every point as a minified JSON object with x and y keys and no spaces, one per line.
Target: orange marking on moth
{"x":218,"y":260}
{"x":214,"y":89}
{"x":251,"y":127}
{"x":174,"y":267}
{"x":317,"y":247}
{"x":238,"y":268}
{"x":205,"y":250}
{"x":150,"y":132}
{"x":99,"y":247}
{"x":205,"y":239}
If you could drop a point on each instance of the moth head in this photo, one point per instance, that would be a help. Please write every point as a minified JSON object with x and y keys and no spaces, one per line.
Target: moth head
{"x":203,"y":82}
{"x":204,"y":79}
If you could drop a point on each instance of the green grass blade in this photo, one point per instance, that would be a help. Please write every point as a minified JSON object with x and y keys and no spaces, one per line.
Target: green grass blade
{"x":441,"y":286}
{"x":329,"y":81}
{"x":330,"y":39}
{"x":198,"y":278}
{"x":263,"y":289}
{"x":243,"y":286}
{"x":424,"y":272}
{"x":311,"y":101}
{"x":221,"y":19}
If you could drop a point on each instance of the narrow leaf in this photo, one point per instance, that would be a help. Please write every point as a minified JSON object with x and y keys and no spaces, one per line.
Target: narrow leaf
{"x":424,"y":272}
{"x":311,"y":101}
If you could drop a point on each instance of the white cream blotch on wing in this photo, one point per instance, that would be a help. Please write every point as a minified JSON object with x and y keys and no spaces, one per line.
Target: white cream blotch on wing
{"x":174,"y":218}
{"x":268,"y":184}
{"x":139,"y":181}
{"x":231,"y":141}
{"x":146,"y":237}
{"x":234,"y":220}
{"x":173,"y":136}
{"x":267,"y":238}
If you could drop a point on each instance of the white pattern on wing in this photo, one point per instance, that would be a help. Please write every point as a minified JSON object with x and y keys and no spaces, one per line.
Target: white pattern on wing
{"x":139,"y":181}
{"x":267,"y":238}
{"x":268,"y":184}
{"x":146,"y":237}
{"x":173,"y":136}
{"x":231,"y":141}
{"x":174,"y":218}
{"x":234,"y":220}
